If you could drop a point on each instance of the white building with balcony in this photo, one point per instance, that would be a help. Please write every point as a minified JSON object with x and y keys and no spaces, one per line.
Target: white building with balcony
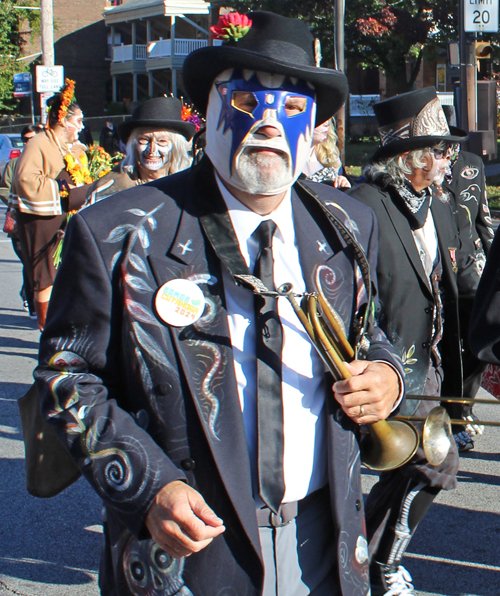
{"x":148,"y":42}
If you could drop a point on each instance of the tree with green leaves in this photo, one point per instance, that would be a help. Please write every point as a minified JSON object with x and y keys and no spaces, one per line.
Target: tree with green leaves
{"x":385,"y":35}
{"x":16,"y":25}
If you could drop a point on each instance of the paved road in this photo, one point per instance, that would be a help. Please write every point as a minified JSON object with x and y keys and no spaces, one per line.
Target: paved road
{"x":50,"y":547}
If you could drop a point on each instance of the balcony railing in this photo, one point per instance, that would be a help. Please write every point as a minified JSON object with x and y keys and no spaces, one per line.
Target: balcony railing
{"x":182,"y":47}
{"x":161,"y":48}
{"x":124,"y":53}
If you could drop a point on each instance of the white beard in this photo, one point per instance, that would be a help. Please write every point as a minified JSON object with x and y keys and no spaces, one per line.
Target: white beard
{"x":263,"y":173}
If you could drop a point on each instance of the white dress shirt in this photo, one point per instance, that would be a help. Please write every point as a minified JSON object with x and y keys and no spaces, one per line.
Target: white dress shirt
{"x":426,"y":241}
{"x":303,"y":390}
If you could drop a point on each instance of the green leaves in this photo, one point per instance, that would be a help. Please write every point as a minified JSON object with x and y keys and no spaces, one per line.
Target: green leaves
{"x":15,"y":27}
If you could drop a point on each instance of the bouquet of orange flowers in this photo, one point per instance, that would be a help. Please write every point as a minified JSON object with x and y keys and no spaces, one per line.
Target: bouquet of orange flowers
{"x":101,"y":162}
{"x":85,"y":169}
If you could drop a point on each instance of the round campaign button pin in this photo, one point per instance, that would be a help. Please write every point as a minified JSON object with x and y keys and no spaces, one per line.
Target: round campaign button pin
{"x":179,"y":302}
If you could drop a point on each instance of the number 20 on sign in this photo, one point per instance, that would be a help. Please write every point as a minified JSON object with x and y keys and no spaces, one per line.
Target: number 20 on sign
{"x":481,"y":16}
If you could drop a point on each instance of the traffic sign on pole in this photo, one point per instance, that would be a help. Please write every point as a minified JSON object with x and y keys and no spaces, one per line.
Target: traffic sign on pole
{"x":481,"y":16}
{"x":49,"y":79}
{"x":43,"y":106}
{"x":22,"y":84}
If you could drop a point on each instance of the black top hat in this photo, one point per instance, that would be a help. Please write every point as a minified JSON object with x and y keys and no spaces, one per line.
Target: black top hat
{"x":160,"y":112}
{"x":413,"y":120}
{"x":274,"y":44}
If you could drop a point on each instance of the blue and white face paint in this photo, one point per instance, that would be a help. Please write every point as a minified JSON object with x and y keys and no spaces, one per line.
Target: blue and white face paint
{"x":242,"y":102}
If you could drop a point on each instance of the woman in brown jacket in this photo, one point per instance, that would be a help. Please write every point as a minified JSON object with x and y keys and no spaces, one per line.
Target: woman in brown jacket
{"x":40,"y":183}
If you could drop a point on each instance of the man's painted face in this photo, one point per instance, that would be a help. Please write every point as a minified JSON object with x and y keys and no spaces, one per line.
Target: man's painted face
{"x":437,"y":161}
{"x":257,"y":122}
{"x":153,"y":149}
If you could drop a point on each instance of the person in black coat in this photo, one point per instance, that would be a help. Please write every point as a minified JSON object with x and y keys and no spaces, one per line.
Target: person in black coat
{"x":465,"y":184}
{"x":85,"y":136}
{"x":417,"y":264}
{"x":228,"y":466}
{"x":109,"y":138}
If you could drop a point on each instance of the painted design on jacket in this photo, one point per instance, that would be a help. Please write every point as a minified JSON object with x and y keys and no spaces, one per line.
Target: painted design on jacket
{"x":408,"y":360}
{"x":415,"y":370}
{"x":150,"y":571}
{"x":210,"y":307}
{"x":328,"y":283}
{"x":349,"y":223}
{"x":70,"y":365}
{"x":117,"y":473}
{"x":472,"y":192}
{"x":209,"y":355}
{"x":352,"y":563}
{"x":469,"y":172}
{"x":210,"y":358}
{"x":138,"y":231}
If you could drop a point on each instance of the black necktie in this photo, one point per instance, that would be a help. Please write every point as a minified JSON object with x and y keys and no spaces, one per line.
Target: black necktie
{"x":268,"y":351}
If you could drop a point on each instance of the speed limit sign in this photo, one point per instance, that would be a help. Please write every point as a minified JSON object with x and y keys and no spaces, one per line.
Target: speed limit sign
{"x":481,"y":16}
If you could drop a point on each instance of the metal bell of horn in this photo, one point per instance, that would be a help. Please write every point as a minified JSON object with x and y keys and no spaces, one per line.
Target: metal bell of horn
{"x":437,"y":436}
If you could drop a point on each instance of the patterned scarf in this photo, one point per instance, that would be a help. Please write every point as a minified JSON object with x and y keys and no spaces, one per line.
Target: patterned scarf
{"x":415,"y":204}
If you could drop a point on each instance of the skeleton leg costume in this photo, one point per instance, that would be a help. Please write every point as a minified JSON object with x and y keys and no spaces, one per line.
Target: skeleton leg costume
{"x":395,"y":507}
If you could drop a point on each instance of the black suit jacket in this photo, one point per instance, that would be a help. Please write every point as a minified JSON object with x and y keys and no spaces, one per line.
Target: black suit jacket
{"x":139,"y":403}
{"x":405,"y":294}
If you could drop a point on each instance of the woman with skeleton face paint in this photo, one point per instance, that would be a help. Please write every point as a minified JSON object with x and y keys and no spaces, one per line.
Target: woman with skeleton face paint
{"x":43,"y":192}
{"x":157,"y":145}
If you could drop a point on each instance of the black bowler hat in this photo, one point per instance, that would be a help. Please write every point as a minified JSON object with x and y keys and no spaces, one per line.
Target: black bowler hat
{"x":413,"y":120}
{"x":274,"y":44}
{"x":161,"y":113}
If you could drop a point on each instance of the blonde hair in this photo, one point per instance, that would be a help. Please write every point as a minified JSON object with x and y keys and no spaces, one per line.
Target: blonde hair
{"x":179,"y":157}
{"x":328,"y":153}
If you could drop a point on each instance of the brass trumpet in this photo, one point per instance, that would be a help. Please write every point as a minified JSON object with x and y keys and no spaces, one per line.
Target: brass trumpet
{"x":389,"y":444}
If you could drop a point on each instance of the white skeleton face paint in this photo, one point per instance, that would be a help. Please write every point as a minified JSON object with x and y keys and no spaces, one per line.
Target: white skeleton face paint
{"x":153,"y":149}
{"x":74,"y":125}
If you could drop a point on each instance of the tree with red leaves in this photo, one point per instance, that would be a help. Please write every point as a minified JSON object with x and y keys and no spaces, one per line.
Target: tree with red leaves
{"x":392,"y":36}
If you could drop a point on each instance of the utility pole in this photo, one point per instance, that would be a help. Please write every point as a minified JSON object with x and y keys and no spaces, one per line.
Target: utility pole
{"x":339,"y":15}
{"x":468,"y":74}
{"x":47,"y":17}
{"x":47,"y":25}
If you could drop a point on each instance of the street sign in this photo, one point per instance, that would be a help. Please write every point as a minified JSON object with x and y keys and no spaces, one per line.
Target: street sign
{"x":453,"y":53}
{"x":481,"y":16}
{"x":49,"y":79}
{"x":22,"y":84}
{"x":43,"y":105}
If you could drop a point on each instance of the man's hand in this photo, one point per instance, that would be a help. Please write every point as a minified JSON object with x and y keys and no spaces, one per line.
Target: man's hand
{"x":370,"y":394}
{"x":181,"y":522}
